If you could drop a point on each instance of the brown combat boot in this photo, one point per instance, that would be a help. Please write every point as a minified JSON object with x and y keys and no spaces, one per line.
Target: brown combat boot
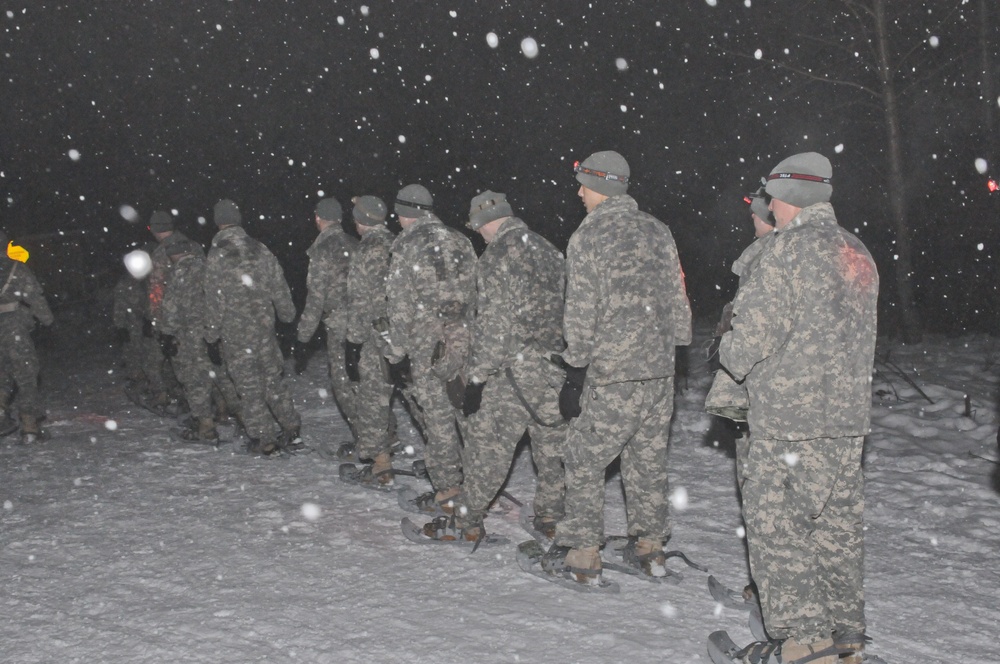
{"x":650,"y":557}
{"x":792,"y":651}
{"x":382,"y":469}
{"x":584,"y":564}
{"x":446,"y":499}
{"x":30,"y":431}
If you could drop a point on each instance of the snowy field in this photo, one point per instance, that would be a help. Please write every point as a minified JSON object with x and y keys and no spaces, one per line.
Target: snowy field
{"x":119,"y":545}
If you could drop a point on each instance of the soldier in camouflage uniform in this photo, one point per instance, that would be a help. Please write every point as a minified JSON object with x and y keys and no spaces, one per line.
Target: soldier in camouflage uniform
{"x":375,"y":425}
{"x":511,"y":385}
{"x":626,"y":310}
{"x":164,"y":385}
{"x":182,"y":315}
{"x":326,"y":300}
{"x":431,"y":290}
{"x":803,"y":339}
{"x":130,"y":303}
{"x":21,"y":304}
{"x":244,"y":287}
{"x":727,"y":398}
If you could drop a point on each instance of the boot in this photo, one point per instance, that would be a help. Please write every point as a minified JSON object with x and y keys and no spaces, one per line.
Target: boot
{"x":203,"y":432}
{"x":382,"y":469}
{"x":852,"y":647}
{"x":30,"y":431}
{"x":450,"y":529}
{"x":545,"y":525}
{"x":584,"y":565}
{"x":792,"y":651}
{"x":262,"y":446}
{"x":446,"y":499}
{"x":649,"y":554}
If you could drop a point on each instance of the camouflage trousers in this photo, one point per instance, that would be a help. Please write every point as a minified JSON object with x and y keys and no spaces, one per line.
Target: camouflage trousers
{"x":375,"y":423}
{"x":427,"y":400}
{"x":631,"y":420}
{"x":343,"y":390}
{"x":803,"y":504}
{"x":19,"y":363}
{"x":200,"y":377}
{"x":132,"y":353}
{"x":491,"y":436}
{"x":255,"y":365}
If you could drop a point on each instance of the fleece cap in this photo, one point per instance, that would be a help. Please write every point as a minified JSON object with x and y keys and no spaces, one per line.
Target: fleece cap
{"x":226,"y":213}
{"x":329,"y":209}
{"x":369,"y":210}
{"x":802,"y":180}
{"x":161,"y":222}
{"x":486,"y":207}
{"x":414,"y":201}
{"x":605,"y":172}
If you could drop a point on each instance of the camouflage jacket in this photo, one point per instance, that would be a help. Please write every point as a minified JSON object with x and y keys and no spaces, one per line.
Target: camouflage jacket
{"x":130,"y":303}
{"x":366,"y":285}
{"x":159,"y":274}
{"x":742,"y":267}
{"x":803,"y":332}
{"x":431,"y":284}
{"x":244,"y":287}
{"x":326,"y":299}
{"x":626,"y":303}
{"x":183,"y":310}
{"x":18,"y":287}
{"x":520,"y":281}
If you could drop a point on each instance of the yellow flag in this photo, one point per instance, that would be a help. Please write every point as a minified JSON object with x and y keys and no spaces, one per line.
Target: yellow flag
{"x":17,"y":253}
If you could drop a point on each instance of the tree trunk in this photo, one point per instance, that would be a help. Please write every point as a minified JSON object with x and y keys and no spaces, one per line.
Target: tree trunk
{"x":911,"y":328}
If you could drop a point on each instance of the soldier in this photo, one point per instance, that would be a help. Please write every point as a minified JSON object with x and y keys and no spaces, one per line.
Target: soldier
{"x":511,"y":385}
{"x":626,"y":310}
{"x":182,"y":315}
{"x":326,"y":300}
{"x":21,"y":303}
{"x":431,"y":292}
{"x":803,"y":339}
{"x":163,"y":381}
{"x":375,"y":425}
{"x":727,"y":398}
{"x":244,"y":287}
{"x":130,"y":302}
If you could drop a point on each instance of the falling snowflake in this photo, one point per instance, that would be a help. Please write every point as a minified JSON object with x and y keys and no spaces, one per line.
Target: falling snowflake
{"x":492,"y":40}
{"x":529,"y":47}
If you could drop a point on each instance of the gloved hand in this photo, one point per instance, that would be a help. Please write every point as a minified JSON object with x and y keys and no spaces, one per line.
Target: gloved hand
{"x":473,"y":398}
{"x":572,"y":389}
{"x":399,"y":372}
{"x":352,"y":361}
{"x":390,"y":352}
{"x":169,"y":345}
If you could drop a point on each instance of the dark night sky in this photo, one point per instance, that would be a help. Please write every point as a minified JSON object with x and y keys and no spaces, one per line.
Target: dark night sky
{"x":175,"y":104}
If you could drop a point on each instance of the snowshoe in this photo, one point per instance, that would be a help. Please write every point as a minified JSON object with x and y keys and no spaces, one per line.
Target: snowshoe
{"x":620,"y":556}
{"x":531,"y":558}
{"x":730,"y":598}
{"x":362,"y":475}
{"x":443,"y":530}
{"x":542,"y":529}
{"x":7,"y":426}
{"x":722,"y":650}
{"x":422,"y":503}
{"x":347,"y":451}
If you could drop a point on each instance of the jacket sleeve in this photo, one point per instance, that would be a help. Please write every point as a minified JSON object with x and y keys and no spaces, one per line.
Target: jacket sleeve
{"x":281,"y":295}
{"x":312,"y":313}
{"x":680,"y":304}
{"x":214,"y":301}
{"x":762,"y":318}
{"x":31,"y":293}
{"x":583,"y":290}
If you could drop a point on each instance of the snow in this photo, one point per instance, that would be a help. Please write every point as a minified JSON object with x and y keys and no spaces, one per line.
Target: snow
{"x":118,"y":544}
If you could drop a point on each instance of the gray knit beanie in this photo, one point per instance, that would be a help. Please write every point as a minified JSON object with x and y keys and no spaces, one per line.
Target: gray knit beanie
{"x":486,"y":207}
{"x":414,"y":201}
{"x":226,"y":213}
{"x":161,"y":222}
{"x":329,"y":209}
{"x":605,"y":172}
{"x":369,"y":210}
{"x":802,"y":180}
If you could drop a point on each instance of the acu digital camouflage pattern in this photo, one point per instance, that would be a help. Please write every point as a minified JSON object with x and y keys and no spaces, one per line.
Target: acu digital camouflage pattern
{"x":805,"y":535}
{"x":244,"y":287}
{"x":519,"y":309}
{"x":326,"y":300}
{"x":21,"y":303}
{"x":431,"y":294}
{"x":727,"y":398}
{"x":626,"y":310}
{"x":182,"y":315}
{"x":375,"y":424}
{"x":803,"y":334}
{"x":159,"y":273}
{"x":128,"y":313}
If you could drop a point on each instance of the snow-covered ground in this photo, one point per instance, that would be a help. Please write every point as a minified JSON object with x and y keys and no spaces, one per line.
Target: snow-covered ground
{"x":118,"y":544}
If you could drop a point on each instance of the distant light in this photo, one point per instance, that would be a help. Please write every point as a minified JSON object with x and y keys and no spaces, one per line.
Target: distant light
{"x":992,"y":185}
{"x":492,"y":39}
{"x":529,"y":47}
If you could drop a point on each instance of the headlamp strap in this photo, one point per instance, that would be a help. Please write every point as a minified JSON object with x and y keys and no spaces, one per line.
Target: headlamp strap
{"x":798,"y":176}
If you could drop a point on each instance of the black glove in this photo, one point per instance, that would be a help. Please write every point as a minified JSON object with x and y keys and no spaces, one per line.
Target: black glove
{"x":473,"y":398}
{"x":352,"y":361}
{"x":456,"y":391}
{"x":147,"y":328}
{"x":572,"y":389}
{"x":400,"y":373}
{"x":169,"y":345}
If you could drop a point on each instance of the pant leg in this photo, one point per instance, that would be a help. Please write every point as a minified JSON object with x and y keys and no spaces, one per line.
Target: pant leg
{"x":192,"y":367}
{"x":644,"y":462}
{"x":443,"y":450}
{"x":343,"y":388}
{"x":608,"y":419}
{"x":789,"y":486}
{"x":277,"y":394}
{"x":23,"y":366}
{"x":374,"y":420}
{"x":244,"y":366}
